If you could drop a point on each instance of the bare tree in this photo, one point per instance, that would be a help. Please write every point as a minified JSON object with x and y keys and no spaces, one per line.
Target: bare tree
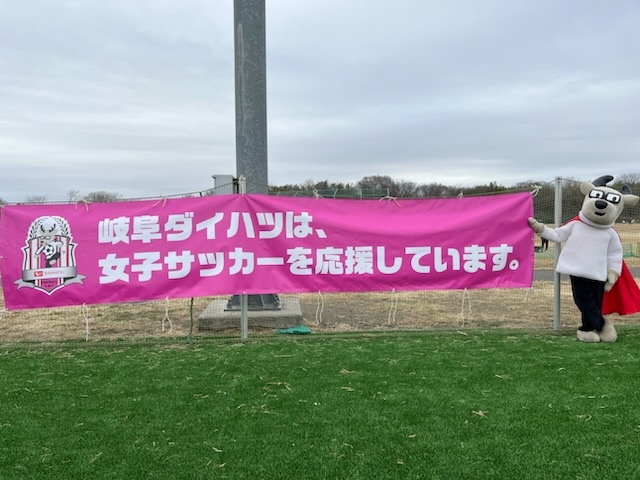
{"x":36,"y":199}
{"x":406,"y":188}
{"x":309,"y":184}
{"x":380,"y":182}
{"x":73,"y":196}
{"x":629,"y":178}
{"x":435,"y":190}
{"x":102,"y":197}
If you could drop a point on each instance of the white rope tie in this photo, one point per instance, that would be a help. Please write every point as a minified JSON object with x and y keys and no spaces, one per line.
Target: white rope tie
{"x":465,"y":294}
{"x":84,"y":310}
{"x":320,"y":308}
{"x":163,"y":200}
{"x":86,"y":204}
{"x":536,"y":190}
{"x":316,"y":194}
{"x":527,"y":291}
{"x":390,"y":198}
{"x":166,"y":315}
{"x":393,"y":309}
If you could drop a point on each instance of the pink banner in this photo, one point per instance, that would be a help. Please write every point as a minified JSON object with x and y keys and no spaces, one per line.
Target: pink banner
{"x":55,"y":255}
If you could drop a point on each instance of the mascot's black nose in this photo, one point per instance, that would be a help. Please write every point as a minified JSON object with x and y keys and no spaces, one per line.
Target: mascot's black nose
{"x":601,"y":204}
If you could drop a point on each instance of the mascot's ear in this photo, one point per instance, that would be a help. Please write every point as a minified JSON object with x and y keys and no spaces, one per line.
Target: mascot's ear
{"x":602,"y":181}
{"x":628,"y":198}
{"x":585,"y":187}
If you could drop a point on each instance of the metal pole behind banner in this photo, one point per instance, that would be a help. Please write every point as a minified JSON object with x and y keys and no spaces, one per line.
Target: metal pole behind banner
{"x":556,"y":275}
{"x":251,"y":93}
{"x":251,"y":119}
{"x":244,"y":316}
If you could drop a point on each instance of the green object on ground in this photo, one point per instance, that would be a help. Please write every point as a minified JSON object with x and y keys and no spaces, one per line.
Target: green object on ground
{"x":299,"y":330}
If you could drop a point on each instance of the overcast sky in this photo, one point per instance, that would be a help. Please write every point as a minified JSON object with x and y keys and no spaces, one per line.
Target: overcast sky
{"x":137,"y":96}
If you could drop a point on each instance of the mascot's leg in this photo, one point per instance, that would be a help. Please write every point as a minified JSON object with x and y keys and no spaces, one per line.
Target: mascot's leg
{"x":588,"y":295}
{"x":608,"y":333}
{"x":589,"y":337}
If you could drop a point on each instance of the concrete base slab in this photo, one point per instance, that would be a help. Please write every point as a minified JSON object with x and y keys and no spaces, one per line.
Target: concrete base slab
{"x":214,"y":317}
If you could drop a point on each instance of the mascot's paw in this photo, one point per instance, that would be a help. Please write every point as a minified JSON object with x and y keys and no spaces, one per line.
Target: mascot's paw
{"x":589,"y":337}
{"x":608,"y":333}
{"x":535,"y":225}
{"x":612,"y":277}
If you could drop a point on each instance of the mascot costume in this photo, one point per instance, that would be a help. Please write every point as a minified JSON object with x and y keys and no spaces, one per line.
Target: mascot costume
{"x":592,"y":257}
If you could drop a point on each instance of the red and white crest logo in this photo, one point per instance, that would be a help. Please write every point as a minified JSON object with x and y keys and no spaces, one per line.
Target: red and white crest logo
{"x":49,"y":261}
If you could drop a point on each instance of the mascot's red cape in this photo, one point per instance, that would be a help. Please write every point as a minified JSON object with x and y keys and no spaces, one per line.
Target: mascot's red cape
{"x":624,"y":296}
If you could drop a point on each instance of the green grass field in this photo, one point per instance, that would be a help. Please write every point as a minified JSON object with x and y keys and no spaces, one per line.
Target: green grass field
{"x":443,"y":405}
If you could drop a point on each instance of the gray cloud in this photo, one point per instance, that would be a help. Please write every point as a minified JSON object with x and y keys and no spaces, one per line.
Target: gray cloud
{"x":138,"y":97}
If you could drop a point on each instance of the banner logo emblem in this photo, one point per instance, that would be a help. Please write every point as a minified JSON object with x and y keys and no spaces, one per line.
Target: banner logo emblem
{"x":49,"y":261}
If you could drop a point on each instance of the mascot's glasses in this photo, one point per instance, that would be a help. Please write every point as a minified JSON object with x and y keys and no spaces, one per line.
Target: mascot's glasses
{"x":609,"y":197}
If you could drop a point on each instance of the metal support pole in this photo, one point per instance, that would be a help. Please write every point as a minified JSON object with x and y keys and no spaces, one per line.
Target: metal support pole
{"x":556,"y":276}
{"x":244,"y":316}
{"x":251,"y":108}
{"x":251,"y":94}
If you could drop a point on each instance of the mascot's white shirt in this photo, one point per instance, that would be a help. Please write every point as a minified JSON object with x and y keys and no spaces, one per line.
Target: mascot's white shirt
{"x":590,"y":249}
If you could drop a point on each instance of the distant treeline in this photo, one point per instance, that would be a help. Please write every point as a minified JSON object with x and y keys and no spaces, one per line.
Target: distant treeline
{"x":572,"y":198}
{"x":395,"y":188}
{"x":383,"y":185}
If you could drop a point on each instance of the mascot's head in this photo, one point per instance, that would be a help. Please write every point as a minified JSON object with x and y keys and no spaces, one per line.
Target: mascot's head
{"x":48,"y":229}
{"x":603,"y":205}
